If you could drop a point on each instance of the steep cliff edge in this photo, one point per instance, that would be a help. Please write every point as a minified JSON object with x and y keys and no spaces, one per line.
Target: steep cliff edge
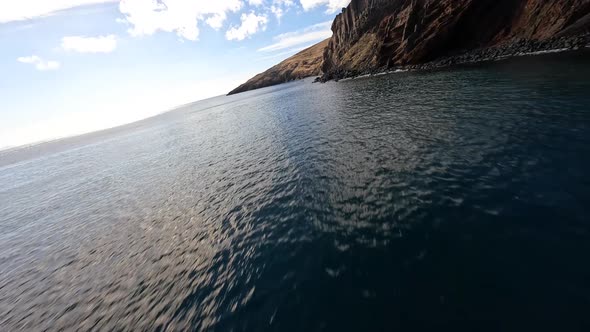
{"x":373,"y":35}
{"x":303,"y":64}
{"x":377,"y":35}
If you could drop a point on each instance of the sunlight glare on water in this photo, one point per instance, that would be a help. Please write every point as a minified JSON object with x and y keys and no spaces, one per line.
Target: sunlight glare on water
{"x":410,"y":201}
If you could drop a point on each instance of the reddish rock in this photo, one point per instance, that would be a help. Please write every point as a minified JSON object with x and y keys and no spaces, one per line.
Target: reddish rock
{"x":372,"y":35}
{"x":301,"y":65}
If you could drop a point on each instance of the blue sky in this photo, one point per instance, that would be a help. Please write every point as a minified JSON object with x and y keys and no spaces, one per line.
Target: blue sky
{"x":75,"y":66}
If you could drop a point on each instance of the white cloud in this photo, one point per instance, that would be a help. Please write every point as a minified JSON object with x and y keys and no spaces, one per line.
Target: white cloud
{"x":286,"y":53}
{"x":251,"y":23}
{"x":216,"y":21}
{"x":180,"y":16}
{"x":82,"y":44}
{"x":39,"y":63}
{"x":316,"y":32}
{"x":280,"y":7}
{"x":277,"y":7}
{"x":19,"y":10}
{"x":277,"y":11}
{"x":333,"y":5}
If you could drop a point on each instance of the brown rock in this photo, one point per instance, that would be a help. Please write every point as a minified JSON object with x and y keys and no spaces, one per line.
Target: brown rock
{"x":377,"y":34}
{"x":303,"y":64}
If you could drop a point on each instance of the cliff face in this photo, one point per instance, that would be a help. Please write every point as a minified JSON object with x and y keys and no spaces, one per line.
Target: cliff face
{"x":303,"y":64}
{"x":379,"y":34}
{"x":374,"y":35}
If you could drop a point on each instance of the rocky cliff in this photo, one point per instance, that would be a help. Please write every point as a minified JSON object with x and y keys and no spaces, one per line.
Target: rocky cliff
{"x":376,"y":35}
{"x":373,"y":35}
{"x":303,"y":64}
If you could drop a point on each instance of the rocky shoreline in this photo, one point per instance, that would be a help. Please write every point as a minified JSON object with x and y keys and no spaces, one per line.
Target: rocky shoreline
{"x":494,"y":53}
{"x":379,"y":36}
{"x":306,"y":63}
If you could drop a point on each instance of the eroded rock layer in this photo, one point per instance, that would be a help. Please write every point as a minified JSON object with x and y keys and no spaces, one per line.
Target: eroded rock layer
{"x":303,"y":64}
{"x":371,"y":35}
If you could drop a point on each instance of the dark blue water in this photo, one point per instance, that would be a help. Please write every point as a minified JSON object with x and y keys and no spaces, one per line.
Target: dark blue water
{"x":453,"y":200}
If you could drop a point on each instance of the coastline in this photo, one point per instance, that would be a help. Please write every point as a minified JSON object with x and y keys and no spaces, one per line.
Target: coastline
{"x":481,"y":55}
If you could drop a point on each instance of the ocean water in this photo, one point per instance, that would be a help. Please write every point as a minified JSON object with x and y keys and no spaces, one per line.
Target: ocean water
{"x":455,"y":200}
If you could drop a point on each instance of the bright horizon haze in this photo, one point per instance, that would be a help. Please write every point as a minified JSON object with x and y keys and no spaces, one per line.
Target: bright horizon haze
{"x":71,"y":67}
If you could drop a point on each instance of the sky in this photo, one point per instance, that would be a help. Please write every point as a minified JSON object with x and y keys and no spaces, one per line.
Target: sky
{"x":69,"y":67}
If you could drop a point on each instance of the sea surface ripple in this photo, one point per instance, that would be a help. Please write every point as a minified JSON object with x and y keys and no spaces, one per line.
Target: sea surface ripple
{"x":456,"y":200}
